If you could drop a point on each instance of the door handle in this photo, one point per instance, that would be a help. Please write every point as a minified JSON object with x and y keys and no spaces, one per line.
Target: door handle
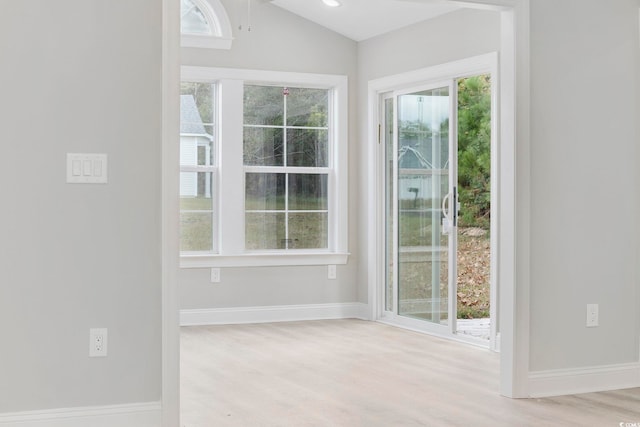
{"x":456,"y":206}
{"x":446,"y":215}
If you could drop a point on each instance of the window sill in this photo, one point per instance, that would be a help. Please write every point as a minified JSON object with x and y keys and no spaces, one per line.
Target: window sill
{"x":206,"y":42}
{"x":263,"y":260}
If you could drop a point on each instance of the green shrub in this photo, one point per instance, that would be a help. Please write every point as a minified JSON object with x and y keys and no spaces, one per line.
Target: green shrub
{"x":474,"y":150}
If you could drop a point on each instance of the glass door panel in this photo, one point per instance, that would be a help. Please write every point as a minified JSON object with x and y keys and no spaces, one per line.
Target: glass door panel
{"x":422,"y":161}
{"x":436,"y":162}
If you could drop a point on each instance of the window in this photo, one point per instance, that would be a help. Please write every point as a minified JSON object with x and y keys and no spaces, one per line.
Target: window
{"x":204,"y":23}
{"x":286,"y":142}
{"x":269,"y":185}
{"x":193,"y":19}
{"x":197,"y":167}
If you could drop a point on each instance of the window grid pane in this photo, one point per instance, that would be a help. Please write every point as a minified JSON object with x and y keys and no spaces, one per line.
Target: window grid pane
{"x":286,"y":211}
{"x":193,"y":21}
{"x":198,"y":167}
{"x":286,"y":126}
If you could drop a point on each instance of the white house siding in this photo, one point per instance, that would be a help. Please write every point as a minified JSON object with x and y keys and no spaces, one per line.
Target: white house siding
{"x":188,"y":157}
{"x":188,"y":184}
{"x":188,"y":150}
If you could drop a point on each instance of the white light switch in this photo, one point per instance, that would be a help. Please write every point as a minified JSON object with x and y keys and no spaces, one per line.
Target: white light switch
{"x":76,"y":168}
{"x":86,"y":168}
{"x":97,"y":168}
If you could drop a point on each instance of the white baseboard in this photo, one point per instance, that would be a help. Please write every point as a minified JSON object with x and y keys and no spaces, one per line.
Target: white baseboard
{"x":585,"y":380}
{"x":132,"y":415}
{"x":280,"y":313}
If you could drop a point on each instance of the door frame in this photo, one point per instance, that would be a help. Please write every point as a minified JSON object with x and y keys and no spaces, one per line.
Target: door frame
{"x":513,"y":192}
{"x":436,"y":76}
{"x":170,"y":346}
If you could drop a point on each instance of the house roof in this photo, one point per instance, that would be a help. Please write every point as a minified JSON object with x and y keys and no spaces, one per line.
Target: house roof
{"x":417,"y":161}
{"x":190,"y":120}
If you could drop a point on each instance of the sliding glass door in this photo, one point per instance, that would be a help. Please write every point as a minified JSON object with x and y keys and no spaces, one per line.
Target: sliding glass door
{"x":420,"y":164}
{"x":436,"y":278}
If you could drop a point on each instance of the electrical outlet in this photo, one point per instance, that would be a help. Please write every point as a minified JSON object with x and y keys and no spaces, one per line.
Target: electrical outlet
{"x":331,"y":272}
{"x":592,"y":315}
{"x":215,"y":275}
{"x":98,"y":342}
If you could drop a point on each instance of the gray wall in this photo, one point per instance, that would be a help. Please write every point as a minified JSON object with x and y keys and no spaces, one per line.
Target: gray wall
{"x":584,"y":174}
{"x":584,"y":182}
{"x":79,"y":76}
{"x":270,"y":45}
{"x":84,"y":76}
{"x":284,"y":42}
{"x":456,"y":35}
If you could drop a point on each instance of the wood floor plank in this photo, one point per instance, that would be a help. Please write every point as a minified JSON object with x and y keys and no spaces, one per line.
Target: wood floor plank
{"x":354,"y":373}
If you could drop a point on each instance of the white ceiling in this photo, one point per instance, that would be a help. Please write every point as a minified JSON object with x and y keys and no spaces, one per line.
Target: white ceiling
{"x":363,"y":19}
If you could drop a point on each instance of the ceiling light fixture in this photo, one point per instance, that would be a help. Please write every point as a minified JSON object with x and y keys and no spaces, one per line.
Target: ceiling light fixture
{"x":331,"y":3}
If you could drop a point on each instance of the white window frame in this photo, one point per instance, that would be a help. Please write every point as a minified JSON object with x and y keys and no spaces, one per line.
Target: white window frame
{"x":219,"y":24}
{"x":231,"y":171}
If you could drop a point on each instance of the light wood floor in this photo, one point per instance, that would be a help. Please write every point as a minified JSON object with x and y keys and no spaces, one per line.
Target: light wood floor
{"x":357,"y":373}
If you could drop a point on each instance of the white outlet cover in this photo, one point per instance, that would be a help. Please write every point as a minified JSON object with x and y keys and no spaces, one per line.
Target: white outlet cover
{"x":98,"y":339}
{"x":592,"y":315}
{"x":331,"y":272}
{"x":215,"y":275}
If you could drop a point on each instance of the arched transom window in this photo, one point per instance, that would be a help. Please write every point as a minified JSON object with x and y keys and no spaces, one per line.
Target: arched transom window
{"x":204,"y":23}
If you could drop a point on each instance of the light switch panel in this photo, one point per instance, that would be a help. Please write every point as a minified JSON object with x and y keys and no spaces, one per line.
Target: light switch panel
{"x":86,"y":168}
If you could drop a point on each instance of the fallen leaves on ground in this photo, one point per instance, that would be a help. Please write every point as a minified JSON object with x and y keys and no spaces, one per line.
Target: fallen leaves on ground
{"x":474,"y":266}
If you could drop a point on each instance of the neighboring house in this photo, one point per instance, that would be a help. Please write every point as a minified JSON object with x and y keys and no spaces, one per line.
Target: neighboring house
{"x":416,"y":175}
{"x":195,"y":149}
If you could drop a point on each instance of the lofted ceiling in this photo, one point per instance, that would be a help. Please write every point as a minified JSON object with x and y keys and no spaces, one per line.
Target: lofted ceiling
{"x":363,"y":19}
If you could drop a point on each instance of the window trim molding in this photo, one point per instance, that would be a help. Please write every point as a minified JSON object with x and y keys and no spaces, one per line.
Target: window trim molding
{"x":231,"y":248}
{"x":221,"y":36}
{"x":263,"y":259}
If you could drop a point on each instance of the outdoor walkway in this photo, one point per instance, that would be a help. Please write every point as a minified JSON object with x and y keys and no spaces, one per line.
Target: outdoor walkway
{"x":479,"y":328}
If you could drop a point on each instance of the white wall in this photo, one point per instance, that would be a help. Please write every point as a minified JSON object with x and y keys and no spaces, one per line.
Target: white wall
{"x":79,"y":76}
{"x":280,"y":41}
{"x":584,"y":182}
